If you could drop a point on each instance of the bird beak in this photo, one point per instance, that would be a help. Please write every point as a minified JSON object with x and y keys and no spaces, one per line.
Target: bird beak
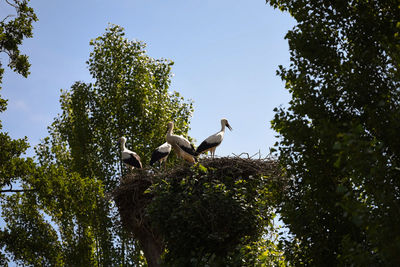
{"x":230,"y":128}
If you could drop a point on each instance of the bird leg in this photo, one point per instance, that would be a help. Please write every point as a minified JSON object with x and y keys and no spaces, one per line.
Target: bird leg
{"x":212,"y":151}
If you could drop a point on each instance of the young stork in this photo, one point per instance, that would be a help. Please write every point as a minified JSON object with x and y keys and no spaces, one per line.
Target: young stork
{"x":182,"y":147}
{"x":130,"y":158}
{"x":161,"y":154}
{"x":211,"y":143}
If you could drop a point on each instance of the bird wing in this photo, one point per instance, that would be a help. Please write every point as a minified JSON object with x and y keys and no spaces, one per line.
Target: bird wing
{"x":131,"y":158}
{"x":215,"y":138}
{"x":185,"y":145}
{"x":160,"y":153}
{"x":210,"y":142}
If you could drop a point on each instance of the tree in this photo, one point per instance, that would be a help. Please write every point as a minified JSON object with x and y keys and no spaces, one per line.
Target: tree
{"x":53,"y":224}
{"x":79,"y":163}
{"x":339,"y":136}
{"x":130,"y":97}
{"x":12,"y":166}
{"x":12,"y":33}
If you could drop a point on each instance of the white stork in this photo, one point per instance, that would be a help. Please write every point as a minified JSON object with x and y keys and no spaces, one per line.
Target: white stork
{"x":211,"y":143}
{"x":182,"y":147}
{"x":160,"y":154}
{"x":130,"y":158}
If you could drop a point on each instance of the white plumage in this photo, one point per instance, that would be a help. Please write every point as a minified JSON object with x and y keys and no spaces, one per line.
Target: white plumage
{"x":130,"y":158}
{"x":160,"y":154}
{"x":182,"y":147}
{"x":211,"y":143}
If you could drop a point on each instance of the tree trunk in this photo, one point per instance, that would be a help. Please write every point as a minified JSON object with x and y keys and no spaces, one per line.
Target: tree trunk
{"x":131,"y":202}
{"x":152,"y":247}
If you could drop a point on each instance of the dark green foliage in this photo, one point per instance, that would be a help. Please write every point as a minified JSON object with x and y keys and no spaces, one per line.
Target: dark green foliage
{"x":28,"y":236}
{"x":13,"y":29}
{"x":12,"y":33}
{"x":339,"y":136}
{"x":207,"y":216}
{"x":13,"y":167}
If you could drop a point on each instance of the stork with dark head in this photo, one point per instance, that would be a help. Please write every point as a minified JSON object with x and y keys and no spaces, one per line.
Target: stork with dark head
{"x":161,"y":154}
{"x":130,"y":158}
{"x":182,"y":147}
{"x":211,"y":143}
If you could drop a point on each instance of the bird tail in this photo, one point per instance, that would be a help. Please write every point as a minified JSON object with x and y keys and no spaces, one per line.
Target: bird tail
{"x":190,"y":151}
{"x":193,"y":152}
{"x":201,"y":148}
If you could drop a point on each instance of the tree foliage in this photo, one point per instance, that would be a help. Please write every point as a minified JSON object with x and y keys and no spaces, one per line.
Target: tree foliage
{"x":12,"y":33}
{"x":79,"y":163}
{"x":130,"y":97}
{"x":57,"y":198}
{"x":13,"y":167}
{"x":219,"y":212}
{"x":339,"y":136}
{"x":205,"y":219}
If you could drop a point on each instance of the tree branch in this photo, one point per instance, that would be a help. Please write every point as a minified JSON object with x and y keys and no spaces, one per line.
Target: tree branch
{"x":13,"y":5}
{"x":8,"y":16}
{"x":16,"y":190}
{"x":11,"y":190}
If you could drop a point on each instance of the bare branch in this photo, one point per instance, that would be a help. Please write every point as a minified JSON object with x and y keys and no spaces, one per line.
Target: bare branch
{"x":16,"y":190}
{"x":243,"y":153}
{"x":11,"y":190}
{"x":15,"y":6}
{"x":8,"y":16}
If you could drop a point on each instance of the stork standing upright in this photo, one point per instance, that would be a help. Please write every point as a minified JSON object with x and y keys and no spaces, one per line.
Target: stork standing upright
{"x":211,"y":143}
{"x":182,"y":147}
{"x":130,"y":158}
{"x":161,"y":154}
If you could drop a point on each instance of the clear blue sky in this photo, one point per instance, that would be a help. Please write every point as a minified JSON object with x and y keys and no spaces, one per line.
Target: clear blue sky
{"x":226,"y":54}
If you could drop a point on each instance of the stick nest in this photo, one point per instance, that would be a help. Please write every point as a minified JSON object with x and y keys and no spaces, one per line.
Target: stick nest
{"x":131,"y":197}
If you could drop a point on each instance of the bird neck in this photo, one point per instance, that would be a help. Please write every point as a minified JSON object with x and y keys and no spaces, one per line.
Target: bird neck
{"x":123,"y":145}
{"x":169,"y":132}
{"x":222,"y":127}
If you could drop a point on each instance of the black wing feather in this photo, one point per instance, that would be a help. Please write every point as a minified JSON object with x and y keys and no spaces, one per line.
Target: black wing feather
{"x":190,"y":150}
{"x":204,"y":146}
{"x":133,"y":161}
{"x":156,"y":156}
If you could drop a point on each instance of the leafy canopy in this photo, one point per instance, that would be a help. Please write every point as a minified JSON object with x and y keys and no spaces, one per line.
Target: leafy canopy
{"x":217,"y":214}
{"x":130,"y":97}
{"x":64,"y":217}
{"x":12,"y":33}
{"x":79,"y":163}
{"x":339,"y":136}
